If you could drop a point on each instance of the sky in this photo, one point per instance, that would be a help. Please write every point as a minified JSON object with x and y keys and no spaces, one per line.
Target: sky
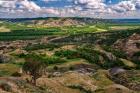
{"x":107,"y":9}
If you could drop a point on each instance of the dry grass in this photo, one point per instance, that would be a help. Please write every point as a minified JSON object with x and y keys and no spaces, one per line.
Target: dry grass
{"x":55,"y":86}
{"x":8,"y":69}
{"x":70,"y":63}
{"x":4,"y":29}
{"x":123,"y":27}
{"x":68,"y":47}
{"x":116,"y":88}
{"x":101,"y":79}
{"x":128,"y":63}
{"x":65,"y":83}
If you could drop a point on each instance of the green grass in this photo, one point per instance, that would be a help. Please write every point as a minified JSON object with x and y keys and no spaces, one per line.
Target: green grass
{"x":22,"y":31}
{"x":104,"y":38}
{"x":28,"y":34}
{"x":8,"y":69}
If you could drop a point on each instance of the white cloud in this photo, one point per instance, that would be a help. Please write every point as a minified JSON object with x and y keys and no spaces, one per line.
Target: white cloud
{"x":50,"y":0}
{"x":93,"y":4}
{"x":29,"y":5}
{"x":77,"y":8}
{"x":8,"y":4}
{"x":124,"y":6}
{"x":25,"y":6}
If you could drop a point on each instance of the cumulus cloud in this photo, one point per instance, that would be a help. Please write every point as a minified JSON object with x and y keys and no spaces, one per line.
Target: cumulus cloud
{"x":124,"y":6}
{"x":29,"y":5}
{"x":50,"y":0}
{"x":24,"y":8}
{"x":93,"y":4}
{"x":99,"y":7}
{"x":90,"y":8}
{"x":19,"y":4}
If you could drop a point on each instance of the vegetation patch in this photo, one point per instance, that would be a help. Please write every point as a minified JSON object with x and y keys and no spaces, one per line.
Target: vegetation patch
{"x":46,"y":59}
{"x":93,"y":56}
{"x":69,"y":54}
{"x":117,"y":53}
{"x":41,"y":46}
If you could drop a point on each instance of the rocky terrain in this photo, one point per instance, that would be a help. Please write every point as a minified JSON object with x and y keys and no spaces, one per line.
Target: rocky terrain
{"x":58,"y":22}
{"x":129,"y":45}
{"x":92,"y":62}
{"x":76,"y":76}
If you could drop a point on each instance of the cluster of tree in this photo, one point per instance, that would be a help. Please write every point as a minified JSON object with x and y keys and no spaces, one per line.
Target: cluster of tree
{"x":41,"y":46}
{"x":69,"y":54}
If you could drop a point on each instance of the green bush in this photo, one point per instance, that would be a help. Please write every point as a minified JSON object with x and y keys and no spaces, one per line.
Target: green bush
{"x":22,"y":55}
{"x":53,"y":60}
{"x":137,"y":54}
{"x":136,"y":59}
{"x":69,"y":54}
{"x":5,"y":86}
{"x":117,"y":53}
{"x":55,"y":67}
{"x":16,"y":74}
{"x":46,"y":59}
{"x":89,"y":54}
{"x":93,"y":57}
{"x":71,"y":68}
{"x":41,"y":46}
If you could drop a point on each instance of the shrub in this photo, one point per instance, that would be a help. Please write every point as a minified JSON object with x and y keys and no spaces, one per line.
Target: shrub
{"x":41,"y":46}
{"x":108,"y":63}
{"x":137,"y":54}
{"x":69,"y":54}
{"x":71,"y":68}
{"x":55,"y":67}
{"x":35,"y":68}
{"x":138,"y":45}
{"x":117,"y":53}
{"x":80,"y":88}
{"x":93,"y":57}
{"x":53,"y":60}
{"x":89,"y":54}
{"x":46,"y":59}
{"x":16,"y":74}
{"x":22,"y":55}
{"x":6,"y":87}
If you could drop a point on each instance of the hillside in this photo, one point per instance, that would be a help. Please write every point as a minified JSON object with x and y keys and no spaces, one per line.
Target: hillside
{"x":58,"y":22}
{"x":69,"y":55}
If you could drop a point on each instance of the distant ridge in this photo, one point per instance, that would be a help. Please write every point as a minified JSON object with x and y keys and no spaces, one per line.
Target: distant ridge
{"x":78,"y":19}
{"x":82,"y":19}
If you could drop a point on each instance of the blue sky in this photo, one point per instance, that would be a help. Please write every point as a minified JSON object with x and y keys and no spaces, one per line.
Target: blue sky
{"x":70,"y":8}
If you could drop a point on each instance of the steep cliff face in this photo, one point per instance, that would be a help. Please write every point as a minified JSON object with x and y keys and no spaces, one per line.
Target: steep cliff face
{"x":130,"y":45}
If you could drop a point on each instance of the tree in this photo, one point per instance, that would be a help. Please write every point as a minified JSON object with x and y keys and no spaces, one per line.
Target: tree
{"x":34,"y":68}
